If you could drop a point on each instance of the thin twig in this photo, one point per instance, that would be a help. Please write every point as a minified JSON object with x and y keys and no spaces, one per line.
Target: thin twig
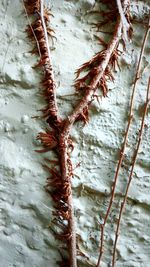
{"x":37,"y":43}
{"x":131,"y":172}
{"x":5,"y":55}
{"x":125,"y":24}
{"x":122,"y":152}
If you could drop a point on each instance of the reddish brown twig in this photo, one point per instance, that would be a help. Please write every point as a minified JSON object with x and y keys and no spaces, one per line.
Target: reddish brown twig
{"x":122,"y":151}
{"x":131,"y":172}
{"x":38,"y":31}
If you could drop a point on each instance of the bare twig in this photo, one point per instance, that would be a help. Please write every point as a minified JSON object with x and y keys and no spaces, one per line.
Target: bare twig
{"x":122,"y":152}
{"x":125,"y":24}
{"x":6,"y":53}
{"x":131,"y":172}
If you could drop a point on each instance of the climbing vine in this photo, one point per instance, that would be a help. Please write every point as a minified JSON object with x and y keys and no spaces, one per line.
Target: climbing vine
{"x":90,"y":77}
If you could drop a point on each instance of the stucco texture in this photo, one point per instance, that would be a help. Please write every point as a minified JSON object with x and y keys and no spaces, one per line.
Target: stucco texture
{"x":26,"y":220}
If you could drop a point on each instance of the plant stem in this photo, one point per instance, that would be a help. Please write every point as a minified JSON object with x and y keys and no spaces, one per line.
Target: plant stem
{"x":49,"y":54}
{"x":72,"y":118}
{"x":125,"y":24}
{"x":122,"y":151}
{"x":131,"y":172}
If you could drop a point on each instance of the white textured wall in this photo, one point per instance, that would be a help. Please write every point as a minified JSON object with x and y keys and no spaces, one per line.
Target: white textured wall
{"x":25,"y":208}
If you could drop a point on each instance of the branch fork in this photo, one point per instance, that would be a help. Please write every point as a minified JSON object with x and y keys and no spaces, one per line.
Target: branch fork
{"x":98,"y":70}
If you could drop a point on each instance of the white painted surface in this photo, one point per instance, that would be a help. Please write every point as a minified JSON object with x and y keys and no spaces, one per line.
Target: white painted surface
{"x":26,"y":210}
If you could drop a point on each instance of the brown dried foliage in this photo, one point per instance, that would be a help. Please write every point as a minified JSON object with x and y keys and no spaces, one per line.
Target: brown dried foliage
{"x":33,"y":8}
{"x":55,"y":186}
{"x":92,"y":68}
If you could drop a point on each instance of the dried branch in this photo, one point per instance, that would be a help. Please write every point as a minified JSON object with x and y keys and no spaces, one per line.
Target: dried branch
{"x":131,"y":172}
{"x":99,"y":70}
{"x":122,"y":151}
{"x":89,"y":89}
{"x":38,"y":31}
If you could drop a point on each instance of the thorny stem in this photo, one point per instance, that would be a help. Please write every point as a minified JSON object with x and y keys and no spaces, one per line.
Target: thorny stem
{"x":124,"y":143}
{"x":131,"y":172}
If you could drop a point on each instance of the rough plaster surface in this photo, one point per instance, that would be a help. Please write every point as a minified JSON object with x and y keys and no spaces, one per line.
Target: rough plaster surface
{"x":25,"y":208}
